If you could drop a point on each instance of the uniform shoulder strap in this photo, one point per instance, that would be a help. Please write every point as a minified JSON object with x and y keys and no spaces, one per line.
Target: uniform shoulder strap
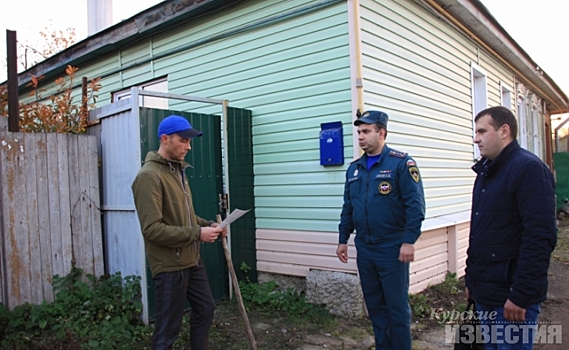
{"x":397,"y":154}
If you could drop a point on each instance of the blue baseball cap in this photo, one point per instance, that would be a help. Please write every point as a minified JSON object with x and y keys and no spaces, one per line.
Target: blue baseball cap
{"x":175,"y":124}
{"x":372,"y":117}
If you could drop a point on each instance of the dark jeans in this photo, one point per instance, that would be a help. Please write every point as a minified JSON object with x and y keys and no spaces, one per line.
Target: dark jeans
{"x":501,"y":334}
{"x":385,"y":285}
{"x":171,"y":288}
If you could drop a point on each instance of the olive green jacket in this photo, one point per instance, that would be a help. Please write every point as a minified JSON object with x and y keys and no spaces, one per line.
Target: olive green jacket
{"x":167,"y":219}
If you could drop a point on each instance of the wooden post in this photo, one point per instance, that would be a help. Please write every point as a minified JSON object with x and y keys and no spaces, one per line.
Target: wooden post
{"x":84,"y":107}
{"x":250,"y":334}
{"x":13,"y":98}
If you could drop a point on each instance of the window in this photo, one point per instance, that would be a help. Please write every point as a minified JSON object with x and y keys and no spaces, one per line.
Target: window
{"x":479,"y":98}
{"x":147,"y":101}
{"x":506,"y":98}
{"x":538,"y":128}
{"x":522,"y":120}
{"x":531,"y":122}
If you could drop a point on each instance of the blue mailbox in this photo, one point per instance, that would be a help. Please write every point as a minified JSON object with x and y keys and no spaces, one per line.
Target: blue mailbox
{"x":331,"y":144}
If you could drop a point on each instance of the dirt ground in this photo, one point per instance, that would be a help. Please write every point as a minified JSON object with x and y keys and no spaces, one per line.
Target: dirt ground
{"x":555,"y":310}
{"x":277,"y":332}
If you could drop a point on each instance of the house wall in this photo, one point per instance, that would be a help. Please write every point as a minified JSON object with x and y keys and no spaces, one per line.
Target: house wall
{"x":293,"y":74}
{"x":563,"y":144}
{"x":292,"y":71}
{"x":417,"y":69}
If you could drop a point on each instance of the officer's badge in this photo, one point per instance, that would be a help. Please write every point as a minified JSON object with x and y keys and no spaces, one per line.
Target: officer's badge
{"x":356,"y":172}
{"x":414,"y":173}
{"x":384,"y":174}
{"x":384,"y":187}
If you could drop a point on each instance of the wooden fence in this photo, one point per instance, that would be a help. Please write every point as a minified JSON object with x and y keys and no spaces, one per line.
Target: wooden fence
{"x":50,"y":215}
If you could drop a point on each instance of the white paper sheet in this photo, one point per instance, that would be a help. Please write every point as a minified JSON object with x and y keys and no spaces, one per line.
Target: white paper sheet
{"x":235,"y":214}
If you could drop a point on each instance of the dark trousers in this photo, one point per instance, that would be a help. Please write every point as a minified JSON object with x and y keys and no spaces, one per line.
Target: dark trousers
{"x":171,"y":288}
{"x":385,"y":285}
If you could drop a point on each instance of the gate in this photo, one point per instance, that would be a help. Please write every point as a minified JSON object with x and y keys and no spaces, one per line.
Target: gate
{"x":205,"y":182}
{"x":126,"y":132}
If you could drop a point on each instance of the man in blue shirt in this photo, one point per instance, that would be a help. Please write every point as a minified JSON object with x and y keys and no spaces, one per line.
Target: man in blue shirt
{"x":384,"y":203}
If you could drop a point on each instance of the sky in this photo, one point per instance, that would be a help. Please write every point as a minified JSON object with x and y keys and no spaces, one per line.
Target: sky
{"x":542,"y":31}
{"x":29,"y":17}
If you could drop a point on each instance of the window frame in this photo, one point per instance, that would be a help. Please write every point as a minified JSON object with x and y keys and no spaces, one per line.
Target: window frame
{"x":479,"y":93}
{"x":147,"y":101}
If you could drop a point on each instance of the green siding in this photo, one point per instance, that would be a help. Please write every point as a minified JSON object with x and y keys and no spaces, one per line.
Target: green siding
{"x":417,"y":69}
{"x":292,"y":75}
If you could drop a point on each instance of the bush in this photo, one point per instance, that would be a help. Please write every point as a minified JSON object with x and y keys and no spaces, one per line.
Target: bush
{"x":267,"y":299}
{"x":57,"y":112}
{"x":88,"y":313}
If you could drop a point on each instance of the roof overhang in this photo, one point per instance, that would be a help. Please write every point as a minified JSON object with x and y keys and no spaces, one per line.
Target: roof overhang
{"x":162,"y":16}
{"x":478,"y":20}
{"x":469,"y":13}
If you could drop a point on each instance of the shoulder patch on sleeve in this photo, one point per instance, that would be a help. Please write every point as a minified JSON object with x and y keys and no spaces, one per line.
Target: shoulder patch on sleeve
{"x":397,"y":154}
{"x":415,"y":173}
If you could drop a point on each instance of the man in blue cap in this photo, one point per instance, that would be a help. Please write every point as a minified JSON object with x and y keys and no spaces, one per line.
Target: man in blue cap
{"x":172,"y":237}
{"x":384,"y":203}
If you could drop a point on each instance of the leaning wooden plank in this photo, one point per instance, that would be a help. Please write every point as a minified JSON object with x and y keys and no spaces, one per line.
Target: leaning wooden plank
{"x":32,"y":213}
{"x":15,"y":265}
{"x":95,"y":208}
{"x":86,"y":242}
{"x":42,"y":186}
{"x":65,"y":217}
{"x":11,"y":257}
{"x":19,"y":205}
{"x":2,"y":274}
{"x":3,"y":258}
{"x":54,"y":206}
{"x":75,"y":199}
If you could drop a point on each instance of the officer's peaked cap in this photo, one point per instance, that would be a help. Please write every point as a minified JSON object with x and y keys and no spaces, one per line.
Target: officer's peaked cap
{"x":372,"y":117}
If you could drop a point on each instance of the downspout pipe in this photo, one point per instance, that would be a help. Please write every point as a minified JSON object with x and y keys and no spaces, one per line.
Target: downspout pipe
{"x":356,"y":67}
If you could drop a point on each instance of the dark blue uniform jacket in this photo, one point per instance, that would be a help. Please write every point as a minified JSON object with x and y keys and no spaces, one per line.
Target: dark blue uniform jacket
{"x":513,"y":229}
{"x":384,"y":204}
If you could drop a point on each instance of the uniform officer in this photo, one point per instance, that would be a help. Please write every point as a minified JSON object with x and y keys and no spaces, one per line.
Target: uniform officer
{"x":384,"y":203}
